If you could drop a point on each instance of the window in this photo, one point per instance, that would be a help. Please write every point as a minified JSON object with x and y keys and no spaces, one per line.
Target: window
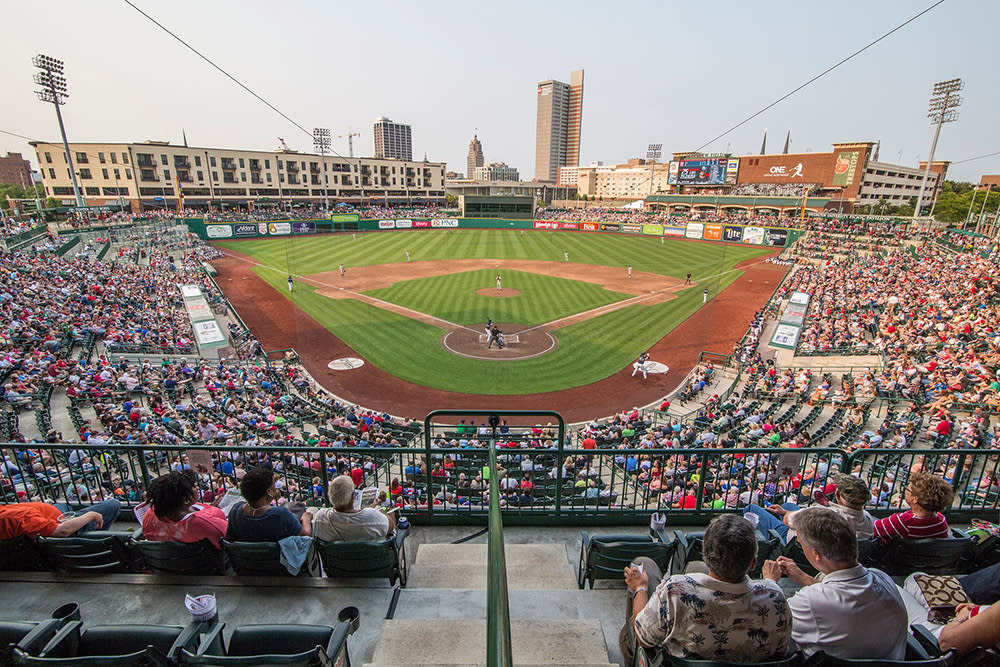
{"x":241,"y":164}
{"x":48,"y":159}
{"x":93,"y":192}
{"x":166,"y":174}
{"x":128,"y":173}
{"x":52,"y":173}
{"x":117,"y":173}
{"x":114,"y":158}
{"x":104,"y":172}
{"x":243,"y":175}
{"x":85,"y":174}
{"x":281,"y":178}
{"x":268,"y":177}
{"x":211,"y":162}
{"x":124,"y":158}
{"x":215,"y":174}
{"x":81,"y":158}
{"x":100,"y":156}
{"x":197,"y":160}
{"x":163,"y":159}
{"x":267,"y":164}
{"x":279,"y":164}
{"x":201,"y":175}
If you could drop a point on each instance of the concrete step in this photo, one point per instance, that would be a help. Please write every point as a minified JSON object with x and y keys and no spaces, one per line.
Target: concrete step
{"x":463,"y":566}
{"x":455,"y":642}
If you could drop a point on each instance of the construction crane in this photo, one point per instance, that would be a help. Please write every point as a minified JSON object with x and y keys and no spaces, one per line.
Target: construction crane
{"x":350,"y":140}
{"x":283,"y":147}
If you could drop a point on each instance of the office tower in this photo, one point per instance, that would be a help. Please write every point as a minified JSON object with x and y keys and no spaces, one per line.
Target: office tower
{"x":557,"y":128}
{"x":393,"y":140}
{"x":475,"y":158}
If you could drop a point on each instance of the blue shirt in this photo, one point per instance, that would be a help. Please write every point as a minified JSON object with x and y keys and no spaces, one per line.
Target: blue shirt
{"x":275,"y":524}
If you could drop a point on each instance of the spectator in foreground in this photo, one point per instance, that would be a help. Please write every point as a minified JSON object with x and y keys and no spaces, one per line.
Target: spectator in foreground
{"x":176,"y":515}
{"x":721,"y":615}
{"x":344,"y":523}
{"x":927,"y":495}
{"x":850,"y":611}
{"x":849,"y":500}
{"x":968,"y":631}
{"x":256,"y":519}
{"x":34,"y":519}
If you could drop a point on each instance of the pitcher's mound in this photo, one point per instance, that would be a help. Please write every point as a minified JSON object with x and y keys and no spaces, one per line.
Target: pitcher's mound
{"x":491,"y":291}
{"x":520,"y":342}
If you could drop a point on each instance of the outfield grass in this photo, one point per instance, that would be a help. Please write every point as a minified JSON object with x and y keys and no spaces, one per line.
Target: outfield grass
{"x":586,"y":352}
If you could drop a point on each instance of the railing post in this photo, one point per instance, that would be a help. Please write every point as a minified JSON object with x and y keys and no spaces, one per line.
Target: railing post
{"x":560,"y":466}
{"x":428,"y":467}
{"x":499,"y":651}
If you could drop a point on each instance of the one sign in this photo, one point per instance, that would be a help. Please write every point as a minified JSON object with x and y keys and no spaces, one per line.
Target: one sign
{"x":672,"y":230}
{"x":632,"y":229}
{"x":569,"y":225}
{"x":611,"y":227}
{"x":732,"y":171}
{"x":200,"y":460}
{"x":198,"y":309}
{"x":218,"y":231}
{"x":590,"y":226}
{"x":799,"y":297}
{"x":421,"y":223}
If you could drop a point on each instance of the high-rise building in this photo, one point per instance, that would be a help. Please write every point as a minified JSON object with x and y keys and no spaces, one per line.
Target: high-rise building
{"x":14,"y":169}
{"x":475,"y":158}
{"x":557,"y":127}
{"x":496,"y":171}
{"x":393,"y":140}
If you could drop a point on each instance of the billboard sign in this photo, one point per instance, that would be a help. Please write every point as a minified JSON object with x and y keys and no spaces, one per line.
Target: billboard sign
{"x":445,"y":222}
{"x":279,"y":228}
{"x":208,"y":333}
{"x":404,"y":224}
{"x":589,"y":226}
{"x":632,"y":229}
{"x":799,"y":298}
{"x":386,"y":224}
{"x":699,"y":172}
{"x":569,"y":225}
{"x":776,"y":237}
{"x":786,"y":336}
{"x":198,"y":309}
{"x":546,"y":224}
{"x":713,"y":232}
{"x":845,"y":166}
{"x":753,"y":235}
{"x":218,"y":231}
{"x":421,"y":223}
{"x":695,"y":230}
{"x":246,"y":229}
{"x":652,"y":230}
{"x":303,"y":227}
{"x":673,"y":230}
{"x":732,"y":234}
{"x":732,"y":171}
{"x":611,"y":227}
{"x":190,"y":291}
{"x":344,"y":217}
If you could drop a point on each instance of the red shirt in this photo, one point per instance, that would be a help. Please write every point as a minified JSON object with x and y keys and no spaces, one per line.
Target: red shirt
{"x":911,"y":527}
{"x":205,"y":522}
{"x":589,"y":443}
{"x":28,"y":519}
{"x":358,"y":475}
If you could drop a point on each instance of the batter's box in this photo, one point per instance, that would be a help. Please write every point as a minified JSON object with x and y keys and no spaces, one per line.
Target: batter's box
{"x":512,"y":338}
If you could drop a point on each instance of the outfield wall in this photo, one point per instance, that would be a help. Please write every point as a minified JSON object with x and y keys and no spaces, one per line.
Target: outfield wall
{"x":778,"y":237}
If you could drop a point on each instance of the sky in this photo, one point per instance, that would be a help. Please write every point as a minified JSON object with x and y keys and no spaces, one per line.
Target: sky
{"x":676,"y":73}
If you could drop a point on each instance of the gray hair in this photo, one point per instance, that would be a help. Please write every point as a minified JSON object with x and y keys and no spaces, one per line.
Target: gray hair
{"x":828,"y":533}
{"x":729,"y":547}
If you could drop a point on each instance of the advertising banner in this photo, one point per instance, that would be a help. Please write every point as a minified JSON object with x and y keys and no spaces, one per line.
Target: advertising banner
{"x":445,"y":222}
{"x":404,"y":224}
{"x":208,"y":334}
{"x":421,"y":223}
{"x":386,"y":224}
{"x":190,"y":291}
{"x":569,"y":225}
{"x":303,"y":227}
{"x":652,"y":230}
{"x":345,"y":217}
{"x":795,"y":310}
{"x":589,"y":226}
{"x":699,"y":172}
{"x":279,"y":228}
{"x":198,"y":309}
{"x":218,"y":231}
{"x":546,"y":224}
{"x":753,"y":235}
{"x":611,"y":227}
{"x":732,"y":234}
{"x":632,"y":229}
{"x":694,"y":230}
{"x":776,"y":237}
{"x":713,"y":232}
{"x":672,"y":171}
{"x":671,"y":230}
{"x":262,"y":228}
{"x":844,"y":167}
{"x":246,"y":229}
{"x":799,"y":297}
{"x":732,"y":170}
{"x":785,"y":336}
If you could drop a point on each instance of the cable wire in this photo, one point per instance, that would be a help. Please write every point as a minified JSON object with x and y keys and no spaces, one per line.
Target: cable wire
{"x":225,"y":73}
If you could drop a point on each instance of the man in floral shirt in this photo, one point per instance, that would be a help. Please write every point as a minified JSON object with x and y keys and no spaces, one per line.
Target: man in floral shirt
{"x":721,"y":615}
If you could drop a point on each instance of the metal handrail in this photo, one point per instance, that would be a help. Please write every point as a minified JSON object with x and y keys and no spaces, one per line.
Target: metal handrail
{"x":499,"y":650}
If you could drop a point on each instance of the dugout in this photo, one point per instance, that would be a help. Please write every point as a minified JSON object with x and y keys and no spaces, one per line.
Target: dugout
{"x":509,"y":207}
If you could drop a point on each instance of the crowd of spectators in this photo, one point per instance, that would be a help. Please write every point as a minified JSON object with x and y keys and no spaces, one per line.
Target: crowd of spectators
{"x":774,"y":189}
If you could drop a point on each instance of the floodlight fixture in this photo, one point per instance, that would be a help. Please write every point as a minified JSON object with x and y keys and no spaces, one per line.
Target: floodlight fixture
{"x":53,"y":90}
{"x":942,"y":108}
{"x":322,"y":143}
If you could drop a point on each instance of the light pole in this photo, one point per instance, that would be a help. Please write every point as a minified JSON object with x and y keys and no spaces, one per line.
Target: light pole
{"x":321,"y":142}
{"x":943,"y":108}
{"x":53,"y":84}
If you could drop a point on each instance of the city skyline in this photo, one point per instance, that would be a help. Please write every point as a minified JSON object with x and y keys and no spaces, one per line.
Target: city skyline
{"x":639,"y":90}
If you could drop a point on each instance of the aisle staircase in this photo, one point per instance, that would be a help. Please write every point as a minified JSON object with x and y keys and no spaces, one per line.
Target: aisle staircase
{"x":441,"y":615}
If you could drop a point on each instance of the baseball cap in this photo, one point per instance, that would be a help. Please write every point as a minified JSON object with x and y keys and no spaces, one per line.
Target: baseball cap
{"x":852,"y":489}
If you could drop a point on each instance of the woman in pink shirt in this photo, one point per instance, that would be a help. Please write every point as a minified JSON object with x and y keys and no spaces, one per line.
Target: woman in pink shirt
{"x":177,"y":516}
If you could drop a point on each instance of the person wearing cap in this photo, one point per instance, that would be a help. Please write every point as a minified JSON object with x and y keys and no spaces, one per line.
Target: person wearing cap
{"x":849,"y":500}
{"x":344,"y":523}
{"x":850,"y":611}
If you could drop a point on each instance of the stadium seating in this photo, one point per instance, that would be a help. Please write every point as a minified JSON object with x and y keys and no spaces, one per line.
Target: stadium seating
{"x":93,"y":553}
{"x":201,"y":558}
{"x":606,"y":556}
{"x":366,"y":560}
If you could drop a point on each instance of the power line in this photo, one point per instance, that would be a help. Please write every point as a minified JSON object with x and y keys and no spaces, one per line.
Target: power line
{"x":224,"y":72}
{"x":978,"y":157}
{"x":821,"y":74}
{"x":15,"y":134}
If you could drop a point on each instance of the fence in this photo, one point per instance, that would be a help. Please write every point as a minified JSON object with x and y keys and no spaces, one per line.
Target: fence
{"x":554,"y":485}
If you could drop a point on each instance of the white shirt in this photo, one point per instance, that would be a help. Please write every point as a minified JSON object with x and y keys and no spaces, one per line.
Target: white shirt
{"x":852,"y":613}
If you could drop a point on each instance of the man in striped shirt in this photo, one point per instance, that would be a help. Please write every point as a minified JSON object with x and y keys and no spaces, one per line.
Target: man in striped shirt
{"x":927,"y":495}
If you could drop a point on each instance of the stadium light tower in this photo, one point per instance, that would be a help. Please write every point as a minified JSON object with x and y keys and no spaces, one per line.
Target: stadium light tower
{"x":53,"y":84}
{"x":321,"y":142}
{"x":943,"y":108}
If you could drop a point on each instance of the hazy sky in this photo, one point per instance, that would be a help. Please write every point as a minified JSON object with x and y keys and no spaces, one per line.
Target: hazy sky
{"x":677,"y":73}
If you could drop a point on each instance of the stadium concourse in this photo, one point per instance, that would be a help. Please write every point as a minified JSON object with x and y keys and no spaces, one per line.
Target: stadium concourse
{"x":103,"y":392}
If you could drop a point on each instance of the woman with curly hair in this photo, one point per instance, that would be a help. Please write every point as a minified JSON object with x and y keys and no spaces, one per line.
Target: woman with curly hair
{"x":927,"y":495}
{"x":175,"y":514}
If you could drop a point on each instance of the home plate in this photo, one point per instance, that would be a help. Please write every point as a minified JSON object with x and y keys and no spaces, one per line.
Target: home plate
{"x":656,"y":367}
{"x":345,"y":364}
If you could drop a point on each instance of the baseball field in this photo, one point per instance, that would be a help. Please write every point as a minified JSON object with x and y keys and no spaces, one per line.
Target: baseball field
{"x":571,"y":311}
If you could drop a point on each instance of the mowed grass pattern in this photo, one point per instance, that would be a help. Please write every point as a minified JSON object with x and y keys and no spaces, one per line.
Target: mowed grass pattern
{"x":454,"y":297}
{"x":587,"y":351}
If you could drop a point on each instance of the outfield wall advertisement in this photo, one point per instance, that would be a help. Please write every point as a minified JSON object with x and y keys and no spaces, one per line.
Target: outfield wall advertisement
{"x":775,"y":237}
